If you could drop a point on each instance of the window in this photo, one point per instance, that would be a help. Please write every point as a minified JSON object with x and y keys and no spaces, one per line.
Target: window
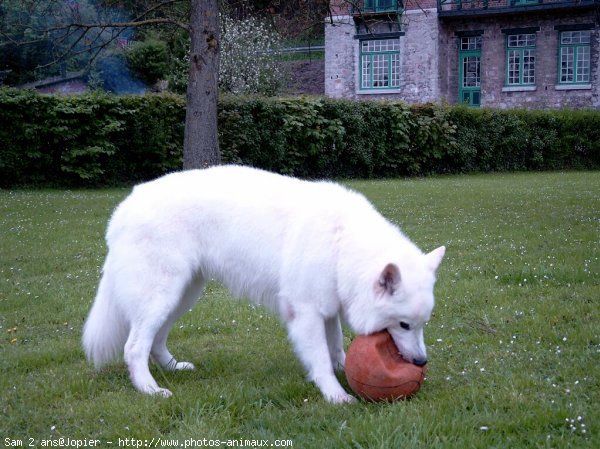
{"x":470,"y":43}
{"x":471,"y":71}
{"x":520,"y":59}
{"x":381,"y":5}
{"x":380,"y":64}
{"x":574,"y":57}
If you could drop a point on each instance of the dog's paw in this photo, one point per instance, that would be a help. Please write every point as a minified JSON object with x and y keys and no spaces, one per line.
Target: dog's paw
{"x":341,"y":398}
{"x":162,"y":392}
{"x":157,"y":391}
{"x":184,"y":366}
{"x":174,"y":365}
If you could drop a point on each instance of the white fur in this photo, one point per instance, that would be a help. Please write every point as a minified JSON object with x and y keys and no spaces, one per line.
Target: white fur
{"x":309,"y":251}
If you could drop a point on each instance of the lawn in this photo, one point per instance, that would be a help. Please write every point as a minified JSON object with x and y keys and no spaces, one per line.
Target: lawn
{"x":514,"y":343}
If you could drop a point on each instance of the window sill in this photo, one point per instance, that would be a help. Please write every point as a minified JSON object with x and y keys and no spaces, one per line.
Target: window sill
{"x":573,"y":87}
{"x":377,"y":91}
{"x":519,"y":88}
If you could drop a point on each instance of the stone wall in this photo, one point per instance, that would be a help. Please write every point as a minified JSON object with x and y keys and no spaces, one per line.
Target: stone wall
{"x":339,"y":57}
{"x":547,"y":93}
{"x":429,"y":58}
{"x":418,"y":50}
{"x":420,"y":66}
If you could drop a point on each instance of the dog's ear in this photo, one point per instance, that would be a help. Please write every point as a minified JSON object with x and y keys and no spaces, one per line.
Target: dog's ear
{"x":389,"y":279}
{"x":434,"y":258}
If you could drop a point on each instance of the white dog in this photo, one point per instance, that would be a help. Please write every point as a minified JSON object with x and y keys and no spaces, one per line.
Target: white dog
{"x":310,"y":251}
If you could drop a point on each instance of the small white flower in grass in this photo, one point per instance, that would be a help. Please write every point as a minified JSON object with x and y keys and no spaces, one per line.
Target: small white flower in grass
{"x":484,"y":428}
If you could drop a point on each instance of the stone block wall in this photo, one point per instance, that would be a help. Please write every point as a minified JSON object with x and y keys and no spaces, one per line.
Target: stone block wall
{"x":493,"y":62}
{"x":418,"y":51}
{"x":339,"y":57}
{"x":429,"y":58}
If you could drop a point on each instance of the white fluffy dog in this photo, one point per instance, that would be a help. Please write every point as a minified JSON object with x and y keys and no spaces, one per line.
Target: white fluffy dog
{"x":310,"y":251}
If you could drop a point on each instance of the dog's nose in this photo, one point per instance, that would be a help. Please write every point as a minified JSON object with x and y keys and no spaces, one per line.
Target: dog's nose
{"x":420,"y":362}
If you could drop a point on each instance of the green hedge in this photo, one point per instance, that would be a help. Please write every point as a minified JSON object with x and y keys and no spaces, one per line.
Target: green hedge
{"x":498,"y":140}
{"x":100,"y":139}
{"x":95,"y":139}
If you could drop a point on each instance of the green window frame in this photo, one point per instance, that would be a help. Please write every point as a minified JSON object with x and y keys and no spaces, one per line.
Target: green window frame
{"x":379,"y":64}
{"x":520,"y":59}
{"x":574,"y":57}
{"x":382,"y":5}
{"x":525,"y":2}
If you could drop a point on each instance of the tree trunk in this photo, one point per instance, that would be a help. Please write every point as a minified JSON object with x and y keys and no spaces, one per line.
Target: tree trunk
{"x":201,"y":139}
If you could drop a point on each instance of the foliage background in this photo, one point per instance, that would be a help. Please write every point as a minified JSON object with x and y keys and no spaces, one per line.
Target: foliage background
{"x":101,"y":139}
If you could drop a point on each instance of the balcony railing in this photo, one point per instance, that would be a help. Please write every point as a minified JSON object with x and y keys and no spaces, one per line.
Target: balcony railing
{"x":481,"y":7}
{"x":377,"y":6}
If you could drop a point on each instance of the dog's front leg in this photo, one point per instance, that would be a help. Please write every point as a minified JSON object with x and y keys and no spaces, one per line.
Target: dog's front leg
{"x":335,"y":341}
{"x":306,"y":331}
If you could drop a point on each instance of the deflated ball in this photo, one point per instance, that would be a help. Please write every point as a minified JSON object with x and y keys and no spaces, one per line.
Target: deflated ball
{"x":377,"y":372}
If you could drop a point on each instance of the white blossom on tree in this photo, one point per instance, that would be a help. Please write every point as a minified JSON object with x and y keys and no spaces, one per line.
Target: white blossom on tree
{"x":250,"y":59}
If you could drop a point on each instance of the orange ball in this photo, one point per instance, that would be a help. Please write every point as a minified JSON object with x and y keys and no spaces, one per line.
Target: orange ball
{"x":377,"y":372}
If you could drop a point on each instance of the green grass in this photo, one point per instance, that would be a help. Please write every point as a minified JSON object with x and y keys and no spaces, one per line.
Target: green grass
{"x":514,"y":343}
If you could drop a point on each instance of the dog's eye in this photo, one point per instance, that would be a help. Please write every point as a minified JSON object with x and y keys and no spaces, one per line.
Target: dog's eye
{"x":404,"y":325}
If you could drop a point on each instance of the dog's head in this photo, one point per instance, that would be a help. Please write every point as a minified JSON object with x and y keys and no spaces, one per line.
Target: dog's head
{"x":409,"y":291}
{"x":402,"y":302}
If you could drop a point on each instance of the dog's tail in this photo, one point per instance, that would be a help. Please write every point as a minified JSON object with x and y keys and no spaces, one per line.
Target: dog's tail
{"x":105,"y":331}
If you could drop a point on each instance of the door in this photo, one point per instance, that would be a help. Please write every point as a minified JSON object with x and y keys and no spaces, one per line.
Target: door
{"x":469,"y":71}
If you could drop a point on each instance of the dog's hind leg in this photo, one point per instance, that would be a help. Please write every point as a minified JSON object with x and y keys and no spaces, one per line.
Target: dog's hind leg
{"x":137,"y":353}
{"x":159,"y":351}
{"x":156,"y":307}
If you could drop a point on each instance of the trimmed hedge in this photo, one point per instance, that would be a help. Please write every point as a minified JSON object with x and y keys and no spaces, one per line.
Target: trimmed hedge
{"x":101,"y":139}
{"x":87,"y":140}
{"x":509,"y":140}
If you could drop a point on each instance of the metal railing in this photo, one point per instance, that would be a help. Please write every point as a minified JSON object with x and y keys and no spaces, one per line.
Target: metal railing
{"x":377,"y":6}
{"x":306,"y":49}
{"x":512,"y":5}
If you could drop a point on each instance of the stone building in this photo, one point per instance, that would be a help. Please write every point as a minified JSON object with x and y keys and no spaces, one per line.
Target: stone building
{"x":495,"y":53}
